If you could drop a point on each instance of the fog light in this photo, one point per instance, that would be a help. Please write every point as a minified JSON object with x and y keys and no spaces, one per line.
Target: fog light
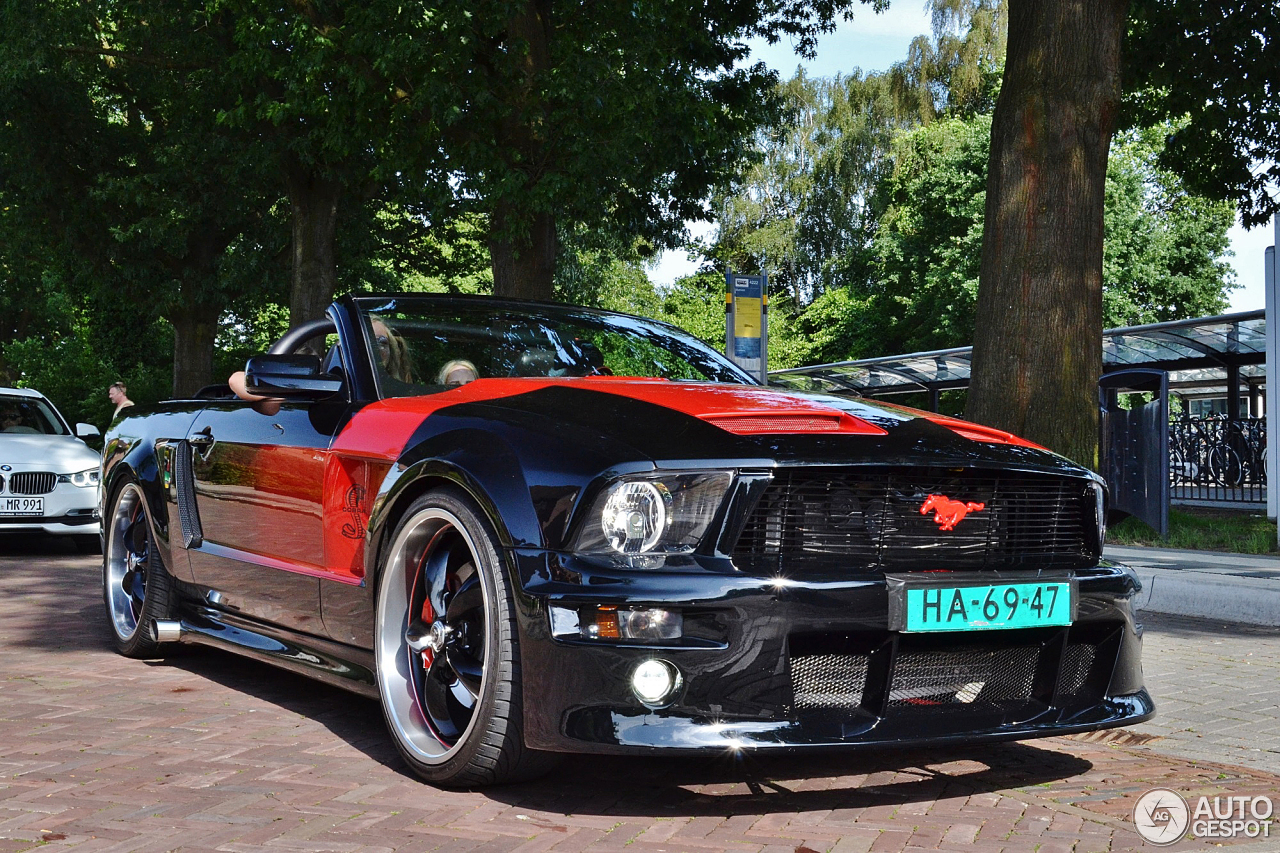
{"x":654,"y":681}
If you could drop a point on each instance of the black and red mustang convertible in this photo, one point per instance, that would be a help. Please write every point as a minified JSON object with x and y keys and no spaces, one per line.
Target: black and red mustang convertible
{"x":532,"y":529}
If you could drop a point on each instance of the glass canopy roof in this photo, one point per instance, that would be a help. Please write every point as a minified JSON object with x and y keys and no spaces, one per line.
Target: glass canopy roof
{"x":1197,"y":351}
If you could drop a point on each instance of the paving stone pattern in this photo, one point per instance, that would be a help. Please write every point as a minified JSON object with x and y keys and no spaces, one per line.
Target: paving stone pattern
{"x":1217,"y":690}
{"x":205,"y":751}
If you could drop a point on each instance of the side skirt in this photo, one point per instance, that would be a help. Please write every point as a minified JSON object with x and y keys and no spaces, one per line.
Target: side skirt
{"x":347,"y":667}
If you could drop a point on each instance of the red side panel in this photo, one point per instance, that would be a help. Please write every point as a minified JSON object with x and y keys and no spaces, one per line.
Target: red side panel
{"x":350,"y":483}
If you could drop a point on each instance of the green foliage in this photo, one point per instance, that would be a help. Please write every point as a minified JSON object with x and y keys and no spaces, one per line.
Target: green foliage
{"x":804,"y":207}
{"x":74,"y":360}
{"x":923,"y":277}
{"x":1164,"y":258}
{"x":957,"y":73}
{"x":1206,"y":74}
{"x":696,"y":304}
{"x":1163,"y":252}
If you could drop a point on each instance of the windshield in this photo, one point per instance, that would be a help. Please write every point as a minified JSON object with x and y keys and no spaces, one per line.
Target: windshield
{"x":30,"y":416}
{"x":424,"y":345}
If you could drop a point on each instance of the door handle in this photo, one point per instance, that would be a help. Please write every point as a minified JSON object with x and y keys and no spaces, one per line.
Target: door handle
{"x":201,"y":440}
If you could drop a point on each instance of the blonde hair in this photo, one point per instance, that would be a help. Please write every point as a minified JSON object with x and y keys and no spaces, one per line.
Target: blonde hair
{"x":457,"y":364}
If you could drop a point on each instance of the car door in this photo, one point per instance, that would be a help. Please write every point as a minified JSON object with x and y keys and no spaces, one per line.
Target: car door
{"x":258,"y":479}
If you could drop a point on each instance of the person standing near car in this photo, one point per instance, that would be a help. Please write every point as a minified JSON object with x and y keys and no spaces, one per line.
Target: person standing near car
{"x":119,"y":396}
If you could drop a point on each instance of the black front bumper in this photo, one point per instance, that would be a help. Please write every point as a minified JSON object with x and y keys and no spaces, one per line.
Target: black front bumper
{"x":808,"y":664}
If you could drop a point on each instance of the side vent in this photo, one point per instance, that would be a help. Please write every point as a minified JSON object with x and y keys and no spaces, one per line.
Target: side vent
{"x":184,"y":480}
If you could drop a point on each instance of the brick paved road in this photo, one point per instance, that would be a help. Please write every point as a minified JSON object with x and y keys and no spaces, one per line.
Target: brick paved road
{"x":205,"y":751}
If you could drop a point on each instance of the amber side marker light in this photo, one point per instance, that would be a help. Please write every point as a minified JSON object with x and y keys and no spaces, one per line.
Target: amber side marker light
{"x":611,"y":622}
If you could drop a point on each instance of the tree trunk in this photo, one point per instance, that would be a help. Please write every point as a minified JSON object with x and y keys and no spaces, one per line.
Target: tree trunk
{"x":194,"y":330}
{"x":522,"y":241}
{"x":1037,"y":352}
{"x":314,"y":203}
{"x":523,"y":269}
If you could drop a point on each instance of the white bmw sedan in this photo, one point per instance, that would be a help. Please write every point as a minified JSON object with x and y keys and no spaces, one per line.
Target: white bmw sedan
{"x":48,"y":475}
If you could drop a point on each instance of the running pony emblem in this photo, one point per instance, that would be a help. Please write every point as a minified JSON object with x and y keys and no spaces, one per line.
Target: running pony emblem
{"x":948,"y":513}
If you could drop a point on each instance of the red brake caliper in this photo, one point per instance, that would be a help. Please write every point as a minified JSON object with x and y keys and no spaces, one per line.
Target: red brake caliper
{"x":428,"y":618}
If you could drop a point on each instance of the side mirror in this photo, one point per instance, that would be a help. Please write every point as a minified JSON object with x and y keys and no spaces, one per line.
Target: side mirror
{"x":87,"y":431}
{"x":290,"y":376}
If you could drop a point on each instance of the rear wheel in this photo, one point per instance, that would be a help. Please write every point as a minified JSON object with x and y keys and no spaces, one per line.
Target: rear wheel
{"x":448,"y":657}
{"x":135,"y":586}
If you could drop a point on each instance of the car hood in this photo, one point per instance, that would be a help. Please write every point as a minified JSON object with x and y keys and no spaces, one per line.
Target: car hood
{"x":61,"y":454}
{"x":664,"y":420}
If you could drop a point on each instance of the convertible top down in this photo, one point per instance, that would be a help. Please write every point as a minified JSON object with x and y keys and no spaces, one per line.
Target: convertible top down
{"x":532,"y":529}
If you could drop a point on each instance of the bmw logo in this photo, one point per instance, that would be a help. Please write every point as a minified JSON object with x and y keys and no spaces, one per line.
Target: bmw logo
{"x":6,"y":467}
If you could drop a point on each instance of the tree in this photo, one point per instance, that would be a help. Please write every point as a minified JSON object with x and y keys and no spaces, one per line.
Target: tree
{"x":802,"y":212}
{"x":958,"y":71}
{"x":1163,"y":246}
{"x":616,"y":114}
{"x":109,"y":154}
{"x":1036,"y":359}
{"x":1210,"y":70}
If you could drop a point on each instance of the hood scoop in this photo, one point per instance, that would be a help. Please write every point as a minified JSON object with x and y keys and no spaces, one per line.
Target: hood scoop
{"x":776,"y":423}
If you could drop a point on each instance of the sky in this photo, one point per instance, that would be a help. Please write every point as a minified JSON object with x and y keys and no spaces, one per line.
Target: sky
{"x":873,"y":42}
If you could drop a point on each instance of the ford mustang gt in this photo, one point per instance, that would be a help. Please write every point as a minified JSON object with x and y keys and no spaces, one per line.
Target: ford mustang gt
{"x":532,"y":529}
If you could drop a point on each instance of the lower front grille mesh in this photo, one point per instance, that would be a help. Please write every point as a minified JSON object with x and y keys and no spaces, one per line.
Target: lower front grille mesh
{"x":970,"y":676}
{"x":828,"y":681}
{"x":1077,"y":663}
{"x":913,"y":674}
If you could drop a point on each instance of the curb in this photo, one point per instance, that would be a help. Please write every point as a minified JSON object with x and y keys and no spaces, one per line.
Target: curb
{"x":1228,"y":598}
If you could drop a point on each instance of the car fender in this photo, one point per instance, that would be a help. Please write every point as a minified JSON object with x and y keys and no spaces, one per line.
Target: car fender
{"x":479,"y":463}
{"x":130,"y":449}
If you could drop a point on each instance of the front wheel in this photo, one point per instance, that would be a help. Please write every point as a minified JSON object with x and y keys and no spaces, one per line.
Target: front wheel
{"x":448,"y":661}
{"x":135,"y":586}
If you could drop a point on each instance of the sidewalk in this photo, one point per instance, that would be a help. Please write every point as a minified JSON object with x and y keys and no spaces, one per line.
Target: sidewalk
{"x":1208,"y":584}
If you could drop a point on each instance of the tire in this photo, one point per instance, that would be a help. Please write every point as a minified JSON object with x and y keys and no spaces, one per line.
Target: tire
{"x":136,"y":588}
{"x":448,"y":657}
{"x":1225,"y":467}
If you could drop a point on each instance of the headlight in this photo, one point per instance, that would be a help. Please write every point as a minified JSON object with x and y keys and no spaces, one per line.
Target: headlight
{"x":83,"y":479}
{"x":653,"y":515}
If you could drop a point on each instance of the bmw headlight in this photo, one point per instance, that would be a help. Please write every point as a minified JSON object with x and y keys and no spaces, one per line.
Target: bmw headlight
{"x":653,"y":515}
{"x":83,"y":479}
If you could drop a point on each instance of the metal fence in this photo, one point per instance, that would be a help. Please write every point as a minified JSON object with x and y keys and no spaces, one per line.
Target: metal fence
{"x":1215,"y":459}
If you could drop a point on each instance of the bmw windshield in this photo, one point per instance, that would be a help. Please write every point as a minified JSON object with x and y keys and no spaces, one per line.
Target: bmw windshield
{"x":29,"y":416}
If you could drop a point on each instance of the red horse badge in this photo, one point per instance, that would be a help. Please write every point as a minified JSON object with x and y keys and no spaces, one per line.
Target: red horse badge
{"x":948,"y":513}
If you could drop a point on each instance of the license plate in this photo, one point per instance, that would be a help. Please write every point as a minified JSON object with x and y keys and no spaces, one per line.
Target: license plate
{"x":989,"y":607}
{"x":21,"y":506}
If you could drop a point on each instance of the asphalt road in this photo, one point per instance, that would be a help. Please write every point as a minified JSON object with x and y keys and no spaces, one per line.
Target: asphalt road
{"x":205,"y":751}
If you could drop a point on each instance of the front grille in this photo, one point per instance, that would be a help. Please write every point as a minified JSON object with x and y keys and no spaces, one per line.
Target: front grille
{"x":871,"y":517}
{"x":968,"y":676}
{"x":32,"y":483}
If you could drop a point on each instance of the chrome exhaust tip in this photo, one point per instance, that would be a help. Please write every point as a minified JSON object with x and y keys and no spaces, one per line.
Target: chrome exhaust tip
{"x":166,"y":630}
